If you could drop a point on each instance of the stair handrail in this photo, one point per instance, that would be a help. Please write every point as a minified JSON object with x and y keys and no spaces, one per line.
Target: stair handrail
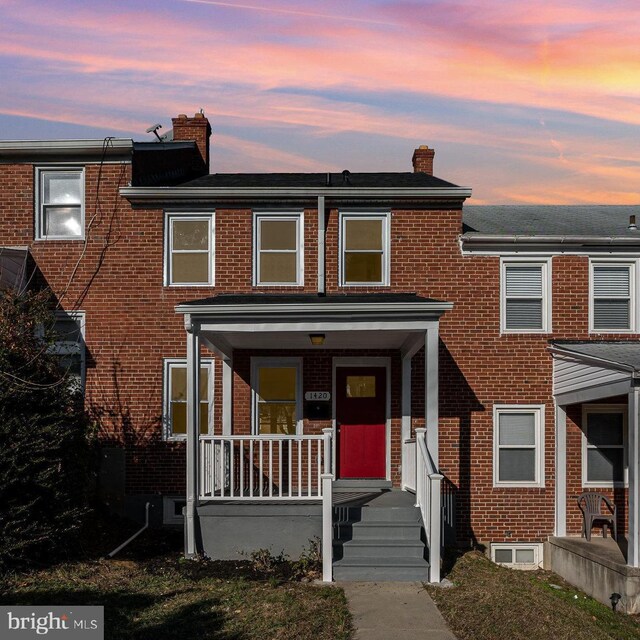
{"x":327,"y":506}
{"x":428,"y":499}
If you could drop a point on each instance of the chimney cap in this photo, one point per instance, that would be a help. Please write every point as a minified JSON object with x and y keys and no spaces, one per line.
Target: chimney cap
{"x":423,"y":146}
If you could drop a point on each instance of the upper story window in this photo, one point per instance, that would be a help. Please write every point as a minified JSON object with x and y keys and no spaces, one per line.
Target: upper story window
{"x":364,"y":249}
{"x":518,"y":446}
{"x":59,"y":204}
{"x":189,"y":249}
{"x":604,"y":460}
{"x":175,"y":398}
{"x":278,"y":249}
{"x":525,"y":300}
{"x":613,"y":298}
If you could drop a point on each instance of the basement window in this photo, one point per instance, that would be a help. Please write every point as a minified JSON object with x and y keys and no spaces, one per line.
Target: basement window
{"x":524,"y":555}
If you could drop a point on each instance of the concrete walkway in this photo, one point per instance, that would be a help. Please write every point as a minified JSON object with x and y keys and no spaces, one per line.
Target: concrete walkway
{"x":394,"y":611}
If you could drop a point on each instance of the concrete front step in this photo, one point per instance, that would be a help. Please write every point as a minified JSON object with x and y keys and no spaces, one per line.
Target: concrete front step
{"x":377,"y":531}
{"x":408,"y":549}
{"x":372,"y":569}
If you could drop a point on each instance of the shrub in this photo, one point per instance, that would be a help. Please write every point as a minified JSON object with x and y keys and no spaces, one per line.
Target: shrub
{"x":45,"y":447}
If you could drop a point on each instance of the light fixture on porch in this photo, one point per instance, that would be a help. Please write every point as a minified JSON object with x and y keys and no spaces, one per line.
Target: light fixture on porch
{"x":317,"y":339}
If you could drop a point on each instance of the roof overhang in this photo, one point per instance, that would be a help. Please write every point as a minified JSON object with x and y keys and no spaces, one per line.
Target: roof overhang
{"x":583,"y":376}
{"x":492,"y":243}
{"x":27,"y":151}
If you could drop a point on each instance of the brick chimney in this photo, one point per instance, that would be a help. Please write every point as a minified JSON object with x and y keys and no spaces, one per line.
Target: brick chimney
{"x":423,"y":160}
{"x":196,"y":128}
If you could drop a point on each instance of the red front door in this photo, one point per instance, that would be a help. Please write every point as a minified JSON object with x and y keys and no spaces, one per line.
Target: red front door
{"x":361,"y":394}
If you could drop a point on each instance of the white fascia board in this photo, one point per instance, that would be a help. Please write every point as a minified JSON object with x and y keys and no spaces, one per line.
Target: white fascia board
{"x":589,"y":359}
{"x":212,"y":193}
{"x":35,"y":146}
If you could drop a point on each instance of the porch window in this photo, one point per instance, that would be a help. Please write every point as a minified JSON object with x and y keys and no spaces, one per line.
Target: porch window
{"x":190,"y":248}
{"x":59,"y":204}
{"x":278,"y":254}
{"x":612,"y":304}
{"x":175,"y":398}
{"x":277,"y":389}
{"x":604,"y":444}
{"x":525,"y":292}
{"x":518,"y":446}
{"x":364,"y":250}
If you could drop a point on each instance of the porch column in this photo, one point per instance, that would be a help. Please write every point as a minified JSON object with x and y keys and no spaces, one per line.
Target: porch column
{"x":227,"y":395}
{"x":633,"y":535}
{"x":561,"y":471}
{"x":193,"y":434}
{"x":431,"y":392}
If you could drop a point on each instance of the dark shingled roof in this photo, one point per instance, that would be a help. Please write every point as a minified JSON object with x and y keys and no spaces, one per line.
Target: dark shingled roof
{"x":317,"y":180}
{"x":620,"y":352}
{"x":307,"y":298}
{"x":551,"y":220}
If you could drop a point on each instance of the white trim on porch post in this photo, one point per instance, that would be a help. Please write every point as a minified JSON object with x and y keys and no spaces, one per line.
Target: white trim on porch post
{"x":227,"y":396}
{"x":406,"y":413}
{"x":431,"y":392}
{"x":561,"y":470}
{"x":193,"y":435}
{"x":633,"y":535}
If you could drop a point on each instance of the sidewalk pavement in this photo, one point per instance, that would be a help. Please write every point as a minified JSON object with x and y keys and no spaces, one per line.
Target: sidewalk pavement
{"x":394,"y":611}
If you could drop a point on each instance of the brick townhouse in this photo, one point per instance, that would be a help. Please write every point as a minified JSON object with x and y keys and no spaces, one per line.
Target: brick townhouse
{"x":354,"y":356}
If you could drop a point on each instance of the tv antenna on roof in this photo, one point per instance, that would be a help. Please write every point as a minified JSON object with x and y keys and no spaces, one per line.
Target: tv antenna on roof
{"x":154,"y":129}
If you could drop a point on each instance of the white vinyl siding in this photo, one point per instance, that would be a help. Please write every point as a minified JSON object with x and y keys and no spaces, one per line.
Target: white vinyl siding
{"x":189,"y":249}
{"x":518,"y":446}
{"x":525,"y":293}
{"x":59,"y":203}
{"x":612,"y":305}
{"x":604,"y":440}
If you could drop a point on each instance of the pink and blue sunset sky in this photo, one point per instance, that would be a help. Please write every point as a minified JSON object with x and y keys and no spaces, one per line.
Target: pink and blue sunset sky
{"x":526,"y":102}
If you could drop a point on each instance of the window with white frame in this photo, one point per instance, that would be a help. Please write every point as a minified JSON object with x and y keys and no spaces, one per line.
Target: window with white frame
{"x":518,"y":555}
{"x":604,"y":459}
{"x":175,"y":398}
{"x":612,"y":300}
{"x":518,"y":449}
{"x":189,"y":249}
{"x":59,"y":204}
{"x":277,"y":393}
{"x":364,"y":249}
{"x":525,"y":296}
{"x":278,"y":249}
{"x":69,"y":345}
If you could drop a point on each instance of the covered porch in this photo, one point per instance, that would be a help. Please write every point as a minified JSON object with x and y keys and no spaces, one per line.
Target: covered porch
{"x":597,"y":405}
{"x":329,"y":381}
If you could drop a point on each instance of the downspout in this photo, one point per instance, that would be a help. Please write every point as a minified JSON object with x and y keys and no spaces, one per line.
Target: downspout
{"x":321,"y":247}
{"x":135,"y":535}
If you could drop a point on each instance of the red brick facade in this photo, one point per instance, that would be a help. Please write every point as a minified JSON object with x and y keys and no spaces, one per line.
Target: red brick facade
{"x":117,"y":278}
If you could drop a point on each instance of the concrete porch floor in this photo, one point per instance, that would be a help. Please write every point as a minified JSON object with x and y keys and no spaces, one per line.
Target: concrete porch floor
{"x":598,"y":567}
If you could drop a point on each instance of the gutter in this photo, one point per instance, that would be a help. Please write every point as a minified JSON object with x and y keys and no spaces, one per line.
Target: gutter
{"x":24,"y":150}
{"x":485,"y":239}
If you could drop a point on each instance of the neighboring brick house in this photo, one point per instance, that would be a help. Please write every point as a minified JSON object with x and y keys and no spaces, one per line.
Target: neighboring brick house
{"x":309,"y":299}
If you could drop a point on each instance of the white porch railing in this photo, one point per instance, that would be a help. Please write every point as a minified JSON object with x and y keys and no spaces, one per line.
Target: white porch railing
{"x":262,"y":467}
{"x":409,"y":464}
{"x":428,"y":498}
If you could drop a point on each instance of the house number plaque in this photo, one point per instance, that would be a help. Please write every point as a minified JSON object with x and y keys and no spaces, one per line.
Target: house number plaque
{"x":318,"y":396}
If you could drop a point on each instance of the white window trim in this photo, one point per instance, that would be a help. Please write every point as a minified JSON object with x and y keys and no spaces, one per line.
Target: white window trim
{"x":545,"y":264}
{"x":634,"y":280}
{"x":537,"y":548}
{"x":538,"y":411}
{"x":266,"y":361}
{"x":168,"y":363}
{"x":282,"y":215}
{"x":168,"y":243}
{"x":70,"y":347}
{"x":605,"y":408}
{"x":386,"y":246}
{"x":39,"y":230}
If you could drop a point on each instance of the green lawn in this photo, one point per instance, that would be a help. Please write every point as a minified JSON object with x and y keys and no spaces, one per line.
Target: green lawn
{"x":167,"y":597}
{"x":489,"y":602}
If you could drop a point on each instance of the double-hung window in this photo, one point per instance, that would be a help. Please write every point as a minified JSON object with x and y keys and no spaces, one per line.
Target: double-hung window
{"x":364,"y":249}
{"x":518,"y":446}
{"x":59,"y":204}
{"x":278,"y":249}
{"x":69,"y":330}
{"x":612,"y":300}
{"x":189,"y":249}
{"x":277,"y":391}
{"x":525,"y":296}
{"x":604,"y":460}
{"x":175,"y":398}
